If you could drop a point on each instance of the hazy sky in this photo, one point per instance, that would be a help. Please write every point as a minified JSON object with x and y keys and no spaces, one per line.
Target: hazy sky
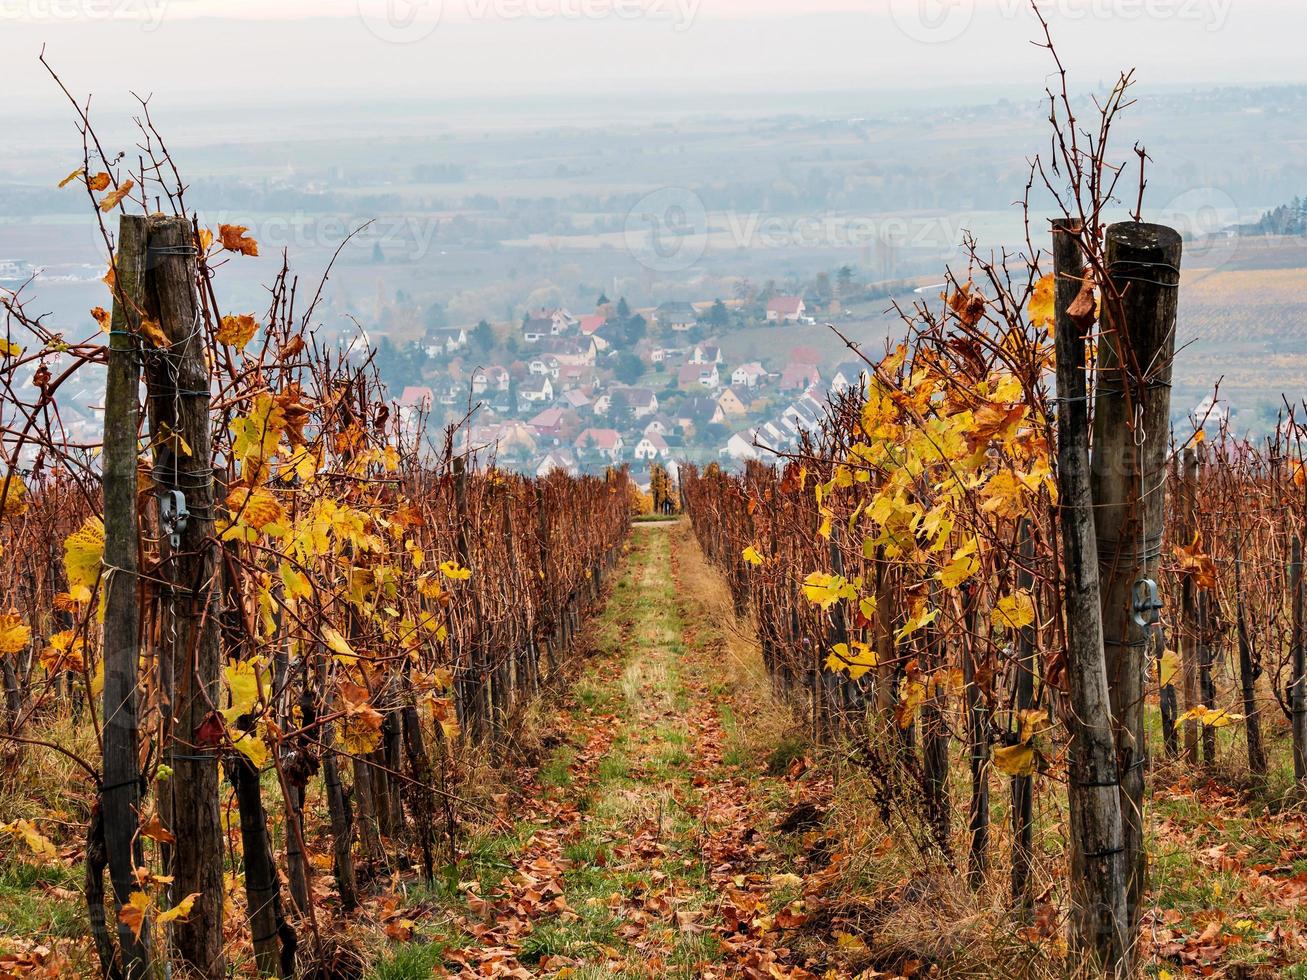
{"x":295,"y":51}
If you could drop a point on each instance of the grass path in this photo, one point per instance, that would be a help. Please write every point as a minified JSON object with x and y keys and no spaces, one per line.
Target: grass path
{"x":645,"y":844}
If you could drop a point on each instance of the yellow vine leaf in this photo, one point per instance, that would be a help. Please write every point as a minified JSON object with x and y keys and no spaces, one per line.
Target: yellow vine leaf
{"x":1041,"y":302}
{"x":256,"y":436}
{"x":15,"y":635}
{"x":452,"y":570}
{"x":1167,"y":667}
{"x":360,"y":726}
{"x":238,"y":330}
{"x":252,"y":747}
{"x":912,"y":694}
{"x":964,"y":564}
{"x":132,"y":914}
{"x":258,"y":509}
{"x":921,"y":616}
{"x":1015,"y":611}
{"x":181,"y":911}
{"x":1204,"y":715}
{"x":15,"y":500}
{"x":751,"y":555}
{"x":297,"y":584}
{"x":36,"y":842}
{"x":243,"y":679}
{"x":1015,"y":760}
{"x":824,"y":589}
{"x":856,"y":657}
{"x":336,"y":643}
{"x":83,"y":553}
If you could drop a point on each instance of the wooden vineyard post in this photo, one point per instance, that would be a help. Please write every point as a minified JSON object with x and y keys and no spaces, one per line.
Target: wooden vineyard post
{"x":1298,"y":688}
{"x":1098,"y":892}
{"x":1023,"y":787}
{"x":1168,"y":702}
{"x":935,"y":741}
{"x":1132,"y":408}
{"x":121,"y":788}
{"x":178,"y":382}
{"x":1247,"y":670}
{"x":978,"y":732}
{"x":1191,"y":654}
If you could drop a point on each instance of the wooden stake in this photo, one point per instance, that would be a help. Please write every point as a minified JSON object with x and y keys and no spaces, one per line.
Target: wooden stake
{"x":178,"y":379}
{"x":1098,"y":922}
{"x":1132,"y":421}
{"x":120,"y":792}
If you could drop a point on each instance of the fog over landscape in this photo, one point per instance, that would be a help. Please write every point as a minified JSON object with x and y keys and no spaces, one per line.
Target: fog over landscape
{"x":518,"y":155}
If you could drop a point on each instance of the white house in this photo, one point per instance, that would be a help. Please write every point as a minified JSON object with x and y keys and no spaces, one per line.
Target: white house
{"x":849,"y":375}
{"x":678,"y":316}
{"x":640,"y":402}
{"x":748,"y":375}
{"x":652,"y":446}
{"x":545,"y":365}
{"x":706,"y":354}
{"x":536,"y":329}
{"x":439,"y":343}
{"x":605,"y":442}
{"x":786,"y":309}
{"x":557,"y":461}
{"x":537,"y":388}
{"x":660,"y":424}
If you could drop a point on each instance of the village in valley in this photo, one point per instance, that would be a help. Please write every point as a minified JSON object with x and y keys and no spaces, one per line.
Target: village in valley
{"x":577,"y":393}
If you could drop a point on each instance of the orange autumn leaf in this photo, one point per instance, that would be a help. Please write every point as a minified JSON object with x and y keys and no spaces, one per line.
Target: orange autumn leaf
{"x":360,"y":726}
{"x":237,"y":331}
{"x":132,"y":915}
{"x":99,"y":182}
{"x":154,"y":333}
{"x":968,"y":308}
{"x":233,"y":239}
{"x":156,"y":831}
{"x":114,"y":197}
{"x":1194,"y":561}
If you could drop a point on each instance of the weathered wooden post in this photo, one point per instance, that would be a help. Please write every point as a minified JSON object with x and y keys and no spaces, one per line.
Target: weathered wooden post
{"x":1191,"y":651}
{"x":121,"y":789}
{"x":1098,"y":922}
{"x":1132,"y":421}
{"x":1023,"y":787}
{"x":1247,"y":670}
{"x":978,"y":733}
{"x":178,"y":381}
{"x":1298,"y":688}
